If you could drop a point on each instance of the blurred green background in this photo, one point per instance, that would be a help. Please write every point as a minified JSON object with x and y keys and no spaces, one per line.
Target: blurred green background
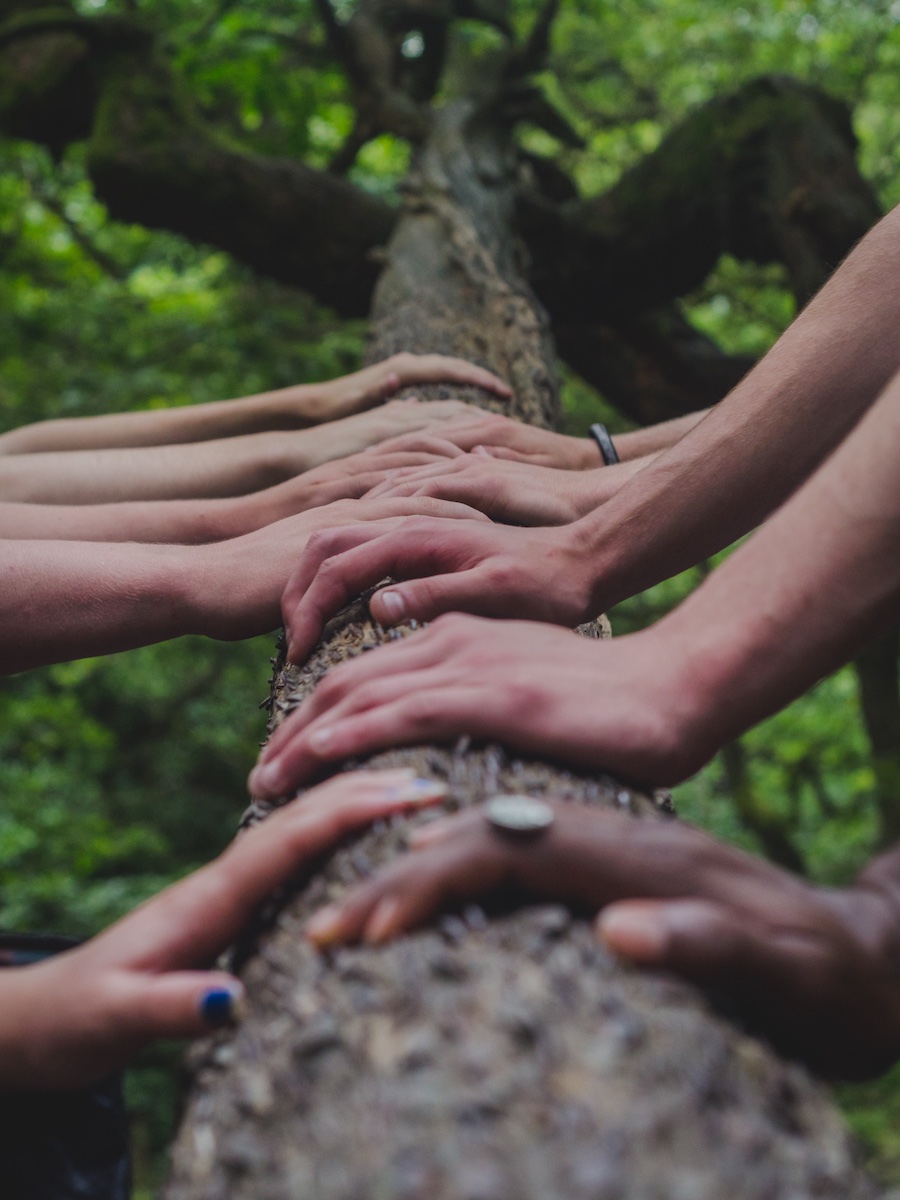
{"x":120,"y":774}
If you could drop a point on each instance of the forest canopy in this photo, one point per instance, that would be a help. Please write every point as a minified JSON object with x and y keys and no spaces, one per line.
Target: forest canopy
{"x":122,"y":773}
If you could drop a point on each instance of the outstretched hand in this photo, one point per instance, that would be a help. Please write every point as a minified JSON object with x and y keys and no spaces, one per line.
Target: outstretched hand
{"x":70,"y":1020}
{"x":816,"y":970}
{"x":497,"y":436}
{"x":622,"y":705}
{"x":370,"y":386}
{"x":519,"y":493}
{"x":235,"y":586}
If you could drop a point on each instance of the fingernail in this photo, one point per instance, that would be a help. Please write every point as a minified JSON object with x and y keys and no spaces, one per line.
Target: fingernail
{"x":418,"y":790}
{"x":220,"y":1006}
{"x":638,"y":934}
{"x":393,"y":605}
{"x":425,"y":835}
{"x":265,"y":779}
{"x":380,"y":924}
{"x":324,"y":927}
{"x":321,"y":740}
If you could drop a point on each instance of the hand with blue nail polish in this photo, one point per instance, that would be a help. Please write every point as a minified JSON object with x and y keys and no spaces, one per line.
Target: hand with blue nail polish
{"x":68,"y":1021}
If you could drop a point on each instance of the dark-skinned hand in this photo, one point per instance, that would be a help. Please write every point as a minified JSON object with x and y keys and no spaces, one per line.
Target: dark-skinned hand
{"x":816,"y":970}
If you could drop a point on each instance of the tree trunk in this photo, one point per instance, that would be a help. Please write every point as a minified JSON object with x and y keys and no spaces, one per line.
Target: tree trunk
{"x":484,"y":1059}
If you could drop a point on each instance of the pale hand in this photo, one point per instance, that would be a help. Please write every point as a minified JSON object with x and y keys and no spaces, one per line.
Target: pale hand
{"x":370,"y":386}
{"x":623,"y":706}
{"x":503,"y":437}
{"x":234,"y":587}
{"x":518,"y":493}
{"x":542,"y":574}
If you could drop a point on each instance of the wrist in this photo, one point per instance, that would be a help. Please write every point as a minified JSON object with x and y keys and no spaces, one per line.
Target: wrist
{"x":591,"y":488}
{"x":206,"y":596}
{"x":582,"y":454}
{"x":231,"y":590}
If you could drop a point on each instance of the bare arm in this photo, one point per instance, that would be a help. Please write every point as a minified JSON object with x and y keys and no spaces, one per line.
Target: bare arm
{"x":61,"y":600}
{"x":640,"y":442}
{"x":287,"y":408}
{"x":721,"y":480}
{"x":802,"y":596}
{"x":759,"y":444}
{"x":224,"y":467}
{"x":74,"y":1018}
{"x":191,"y":522}
{"x":520,"y":493}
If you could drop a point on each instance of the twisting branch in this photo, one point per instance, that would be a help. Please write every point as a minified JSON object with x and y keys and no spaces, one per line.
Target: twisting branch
{"x":532,"y":56}
{"x":341,"y":42}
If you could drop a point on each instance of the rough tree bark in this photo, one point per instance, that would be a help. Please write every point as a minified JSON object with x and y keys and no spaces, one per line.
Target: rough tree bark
{"x":501,"y":1058}
{"x":504,"y":1058}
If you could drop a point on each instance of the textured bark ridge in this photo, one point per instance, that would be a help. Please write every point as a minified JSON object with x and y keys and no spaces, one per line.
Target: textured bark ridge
{"x":501,"y":1056}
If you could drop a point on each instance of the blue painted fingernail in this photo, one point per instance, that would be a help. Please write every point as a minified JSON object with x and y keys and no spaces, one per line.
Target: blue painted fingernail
{"x":218,"y":1007}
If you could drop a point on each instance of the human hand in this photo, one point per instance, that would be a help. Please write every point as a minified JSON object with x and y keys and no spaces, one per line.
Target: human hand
{"x":233,"y":588}
{"x":68,"y":1021}
{"x":494,"y":570}
{"x":815,"y":970}
{"x":299,"y":451}
{"x":503,"y":437}
{"x":519,"y":493}
{"x":342,"y":479}
{"x":627,"y":705}
{"x":372,"y":385}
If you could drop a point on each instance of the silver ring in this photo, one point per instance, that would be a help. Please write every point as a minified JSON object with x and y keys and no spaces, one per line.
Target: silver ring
{"x":518,"y":816}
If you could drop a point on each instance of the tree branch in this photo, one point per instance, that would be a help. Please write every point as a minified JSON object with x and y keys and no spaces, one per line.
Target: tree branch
{"x":651,"y":367}
{"x":767,"y":174}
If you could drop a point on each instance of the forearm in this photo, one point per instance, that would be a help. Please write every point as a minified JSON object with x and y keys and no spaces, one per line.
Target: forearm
{"x":640,"y":442}
{"x":226,"y":467}
{"x":591,"y":489}
{"x":68,"y":600}
{"x":287,"y":408}
{"x":758,"y":445}
{"x":184,"y":522}
{"x":819,"y":580}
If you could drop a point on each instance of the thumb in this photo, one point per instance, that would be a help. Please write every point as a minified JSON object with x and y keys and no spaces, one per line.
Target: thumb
{"x":180,"y":1004}
{"x":424,"y":599}
{"x":696,"y":938}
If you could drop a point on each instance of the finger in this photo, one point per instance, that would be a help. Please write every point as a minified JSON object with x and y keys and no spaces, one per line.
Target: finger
{"x":507,"y":452}
{"x":335,"y":566}
{"x":705,"y":941}
{"x":192,"y":921}
{"x":428,"y":597}
{"x":334,"y":570}
{"x":178,"y":1004}
{"x":417,"y":443}
{"x":439,"y":368}
{"x":275,"y":774}
{"x":415,"y":653}
{"x":421,"y":717}
{"x":414,"y":889}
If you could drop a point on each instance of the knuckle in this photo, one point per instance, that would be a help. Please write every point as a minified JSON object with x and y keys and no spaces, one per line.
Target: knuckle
{"x":452,"y":626}
{"x":502,"y":576}
{"x":319,"y":544}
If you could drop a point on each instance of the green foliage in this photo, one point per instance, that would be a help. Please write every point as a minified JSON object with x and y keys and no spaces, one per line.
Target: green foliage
{"x":118,"y":775}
